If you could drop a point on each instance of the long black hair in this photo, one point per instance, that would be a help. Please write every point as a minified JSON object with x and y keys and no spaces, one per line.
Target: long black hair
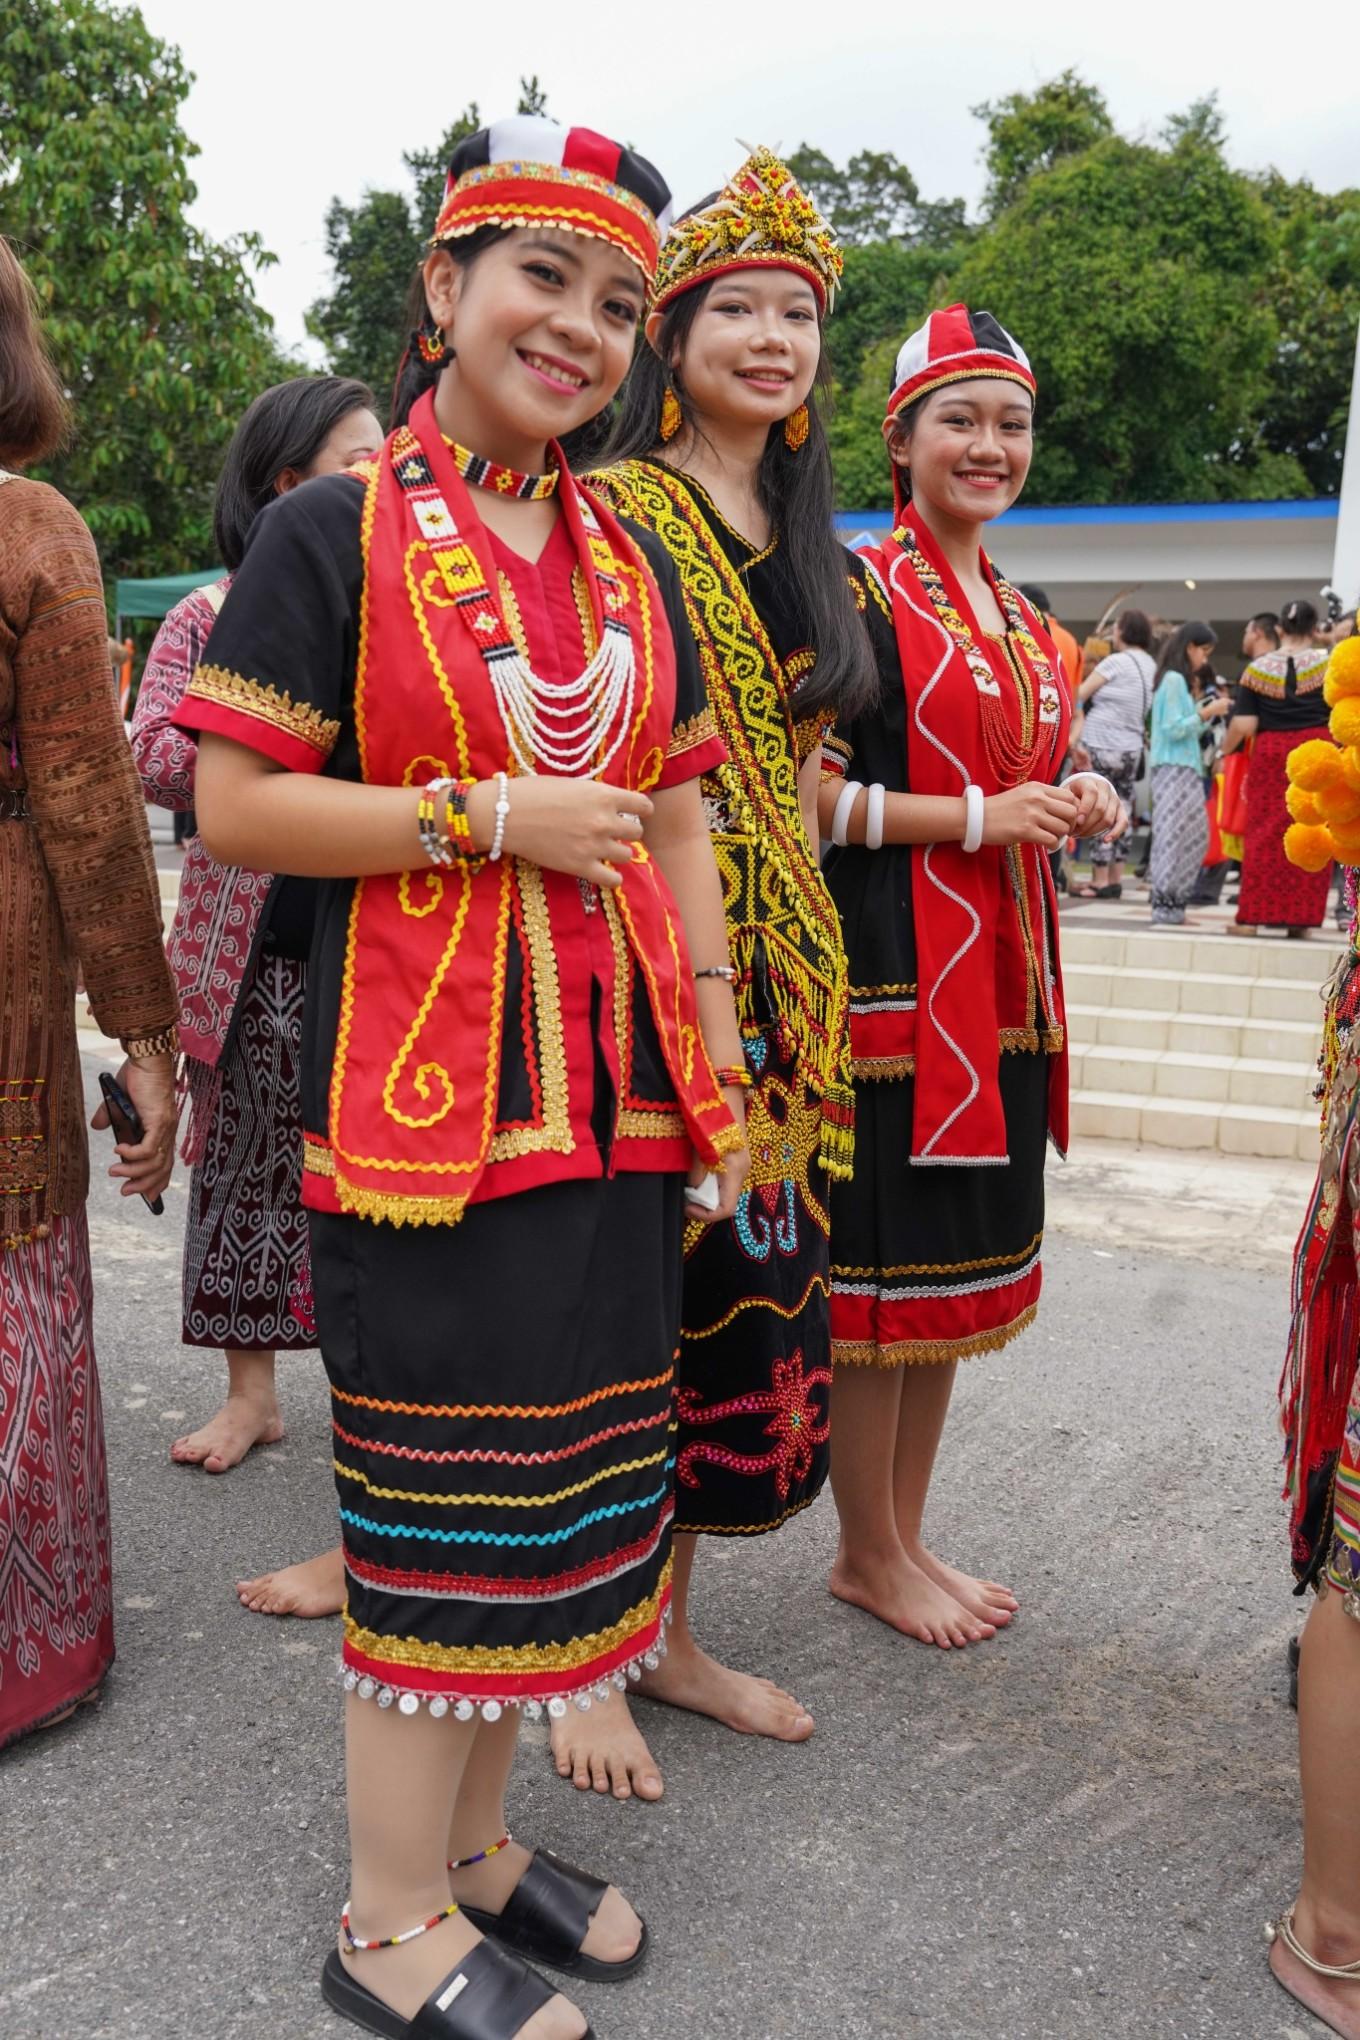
{"x":285,"y":427}
{"x":798,"y":494}
{"x":1171,"y":658}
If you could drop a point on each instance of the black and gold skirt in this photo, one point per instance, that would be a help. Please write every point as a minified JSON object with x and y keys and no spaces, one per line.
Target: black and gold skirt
{"x":753,"y":1402}
{"x":504,"y":1443}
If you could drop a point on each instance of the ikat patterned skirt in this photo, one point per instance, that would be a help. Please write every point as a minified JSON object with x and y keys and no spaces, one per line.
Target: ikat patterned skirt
{"x":505,"y":1443}
{"x":938,"y":1264}
{"x":755,"y":1351}
{"x":245,"y":1244}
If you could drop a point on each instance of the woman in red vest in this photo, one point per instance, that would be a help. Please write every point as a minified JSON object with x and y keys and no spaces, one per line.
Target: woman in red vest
{"x":462,"y":696}
{"x":957,"y":1033}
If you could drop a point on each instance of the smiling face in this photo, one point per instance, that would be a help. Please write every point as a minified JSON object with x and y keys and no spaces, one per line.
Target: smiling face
{"x":542,"y":326}
{"x":967,"y":450}
{"x":750,"y":356}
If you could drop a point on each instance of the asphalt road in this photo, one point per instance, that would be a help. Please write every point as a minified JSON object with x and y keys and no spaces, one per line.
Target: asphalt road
{"x":1076,"y":1830}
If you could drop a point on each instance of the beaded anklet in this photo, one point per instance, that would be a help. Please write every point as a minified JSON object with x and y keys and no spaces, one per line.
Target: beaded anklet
{"x":482,"y":1856}
{"x":357,"y":1946}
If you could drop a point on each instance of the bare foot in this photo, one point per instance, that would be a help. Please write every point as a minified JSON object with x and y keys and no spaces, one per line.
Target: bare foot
{"x":689,"y":1677}
{"x":990,"y":1603}
{"x":614,"y":1931}
{"x":404,"y":1977}
{"x":242,"y":1423}
{"x":900,"y":1594}
{"x":603,"y":1750}
{"x":1336,"y":2003}
{"x":85,"y":1700}
{"x":315,"y":1587}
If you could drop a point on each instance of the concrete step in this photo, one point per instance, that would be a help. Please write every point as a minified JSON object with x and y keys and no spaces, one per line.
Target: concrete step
{"x":1289,"y":1041}
{"x":1232,"y":1129}
{"x":1168,"y":991}
{"x":1263,"y":957}
{"x":1202,"y":1078}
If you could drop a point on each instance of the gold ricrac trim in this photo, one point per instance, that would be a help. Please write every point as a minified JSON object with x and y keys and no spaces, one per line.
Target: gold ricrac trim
{"x":397,"y":1209}
{"x":524,"y":1659}
{"x":882,"y":1068}
{"x":922,"y":1352}
{"x":699,"y":729}
{"x":263,"y":702}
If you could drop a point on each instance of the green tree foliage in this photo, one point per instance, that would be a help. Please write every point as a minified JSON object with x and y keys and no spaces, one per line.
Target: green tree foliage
{"x":874,"y":198}
{"x":375,"y":248}
{"x":1028,"y":132}
{"x":154,"y":326}
{"x":1133,"y":276}
{"x":1314,"y":286}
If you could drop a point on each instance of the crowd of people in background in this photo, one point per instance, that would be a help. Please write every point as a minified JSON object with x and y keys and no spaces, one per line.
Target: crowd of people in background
{"x":1198,"y":761}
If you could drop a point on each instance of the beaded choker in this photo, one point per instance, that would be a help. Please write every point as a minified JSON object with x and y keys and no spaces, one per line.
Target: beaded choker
{"x":506,"y":481}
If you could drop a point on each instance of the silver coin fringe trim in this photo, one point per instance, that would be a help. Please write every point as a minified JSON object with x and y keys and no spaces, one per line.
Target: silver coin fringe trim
{"x":407,"y":1702}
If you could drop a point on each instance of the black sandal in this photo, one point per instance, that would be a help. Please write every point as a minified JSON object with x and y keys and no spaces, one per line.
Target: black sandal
{"x":548,"y":1915}
{"x":489,"y":1996}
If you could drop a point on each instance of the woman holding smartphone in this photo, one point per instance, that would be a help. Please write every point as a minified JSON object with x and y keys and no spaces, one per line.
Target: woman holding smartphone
{"x":78,"y":897}
{"x":454,"y":691}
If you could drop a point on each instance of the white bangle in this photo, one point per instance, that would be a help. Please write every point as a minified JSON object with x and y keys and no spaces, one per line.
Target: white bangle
{"x":1099,"y":778}
{"x":972,"y":828}
{"x":502,"y":810}
{"x":840,"y":821}
{"x":873,"y":826}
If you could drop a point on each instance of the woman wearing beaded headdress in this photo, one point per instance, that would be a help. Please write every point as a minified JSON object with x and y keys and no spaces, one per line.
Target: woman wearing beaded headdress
{"x":721,"y":452}
{"x":461,"y":695}
{"x":945,"y":892}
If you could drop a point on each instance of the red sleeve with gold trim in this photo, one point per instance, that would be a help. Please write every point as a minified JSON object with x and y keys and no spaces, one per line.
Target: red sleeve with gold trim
{"x":279,"y":672}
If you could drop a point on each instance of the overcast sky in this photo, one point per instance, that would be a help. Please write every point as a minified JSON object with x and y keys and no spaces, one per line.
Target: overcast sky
{"x":294,"y":103}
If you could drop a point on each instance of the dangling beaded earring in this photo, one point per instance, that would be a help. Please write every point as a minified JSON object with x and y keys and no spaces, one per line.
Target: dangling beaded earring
{"x":796,"y":429}
{"x":430,"y":345}
{"x":672,"y":417}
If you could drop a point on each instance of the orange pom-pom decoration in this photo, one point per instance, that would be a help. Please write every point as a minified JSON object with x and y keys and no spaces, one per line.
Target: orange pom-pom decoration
{"x":1343,"y":672}
{"x":1339,"y":803}
{"x":1345,"y":720}
{"x":1346,"y":842}
{"x":1309,"y":848}
{"x":1314,"y":764}
{"x":1303,"y":807}
{"x":1350,"y":766}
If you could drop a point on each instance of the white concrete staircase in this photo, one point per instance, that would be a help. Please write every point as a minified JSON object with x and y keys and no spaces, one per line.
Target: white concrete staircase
{"x":1193,"y":1039}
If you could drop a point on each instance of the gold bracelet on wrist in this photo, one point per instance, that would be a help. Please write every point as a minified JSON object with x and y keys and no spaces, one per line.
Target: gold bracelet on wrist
{"x":146,"y":1047}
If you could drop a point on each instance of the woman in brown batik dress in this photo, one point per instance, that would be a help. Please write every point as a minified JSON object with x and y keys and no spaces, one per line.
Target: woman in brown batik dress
{"x":77,"y":892}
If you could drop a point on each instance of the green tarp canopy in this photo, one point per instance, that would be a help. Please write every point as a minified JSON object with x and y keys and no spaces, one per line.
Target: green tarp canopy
{"x":158,"y":598}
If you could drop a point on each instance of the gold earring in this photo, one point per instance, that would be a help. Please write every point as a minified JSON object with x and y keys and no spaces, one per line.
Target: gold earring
{"x":672,"y":417}
{"x":796,"y":427}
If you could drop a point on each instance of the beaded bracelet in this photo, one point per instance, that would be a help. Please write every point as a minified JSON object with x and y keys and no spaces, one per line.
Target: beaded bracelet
{"x":457,"y":827}
{"x":436,"y":846}
{"x":734,"y":1078}
{"x":502,"y":810}
{"x":719,"y":970}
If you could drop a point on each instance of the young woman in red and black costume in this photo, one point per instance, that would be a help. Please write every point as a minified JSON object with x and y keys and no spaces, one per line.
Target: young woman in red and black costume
{"x":461,"y":695}
{"x":946,"y":897}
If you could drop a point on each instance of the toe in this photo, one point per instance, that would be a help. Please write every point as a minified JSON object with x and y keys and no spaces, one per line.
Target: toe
{"x":648,"y":1784}
{"x":580,"y":1776}
{"x":599,"y":1774}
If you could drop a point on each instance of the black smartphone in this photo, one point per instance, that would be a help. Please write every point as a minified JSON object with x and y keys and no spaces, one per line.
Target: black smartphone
{"x":126,"y":1122}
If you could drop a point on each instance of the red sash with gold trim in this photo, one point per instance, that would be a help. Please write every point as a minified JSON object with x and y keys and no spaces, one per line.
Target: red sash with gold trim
{"x":972,"y":956}
{"x":417,"y":1056}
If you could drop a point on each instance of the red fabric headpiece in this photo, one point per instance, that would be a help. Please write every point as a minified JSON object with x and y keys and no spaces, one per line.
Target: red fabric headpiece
{"x":528,"y":171}
{"x":955,"y":346}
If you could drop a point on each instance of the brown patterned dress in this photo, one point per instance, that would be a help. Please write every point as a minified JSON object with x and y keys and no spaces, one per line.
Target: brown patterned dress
{"x":77,"y":890}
